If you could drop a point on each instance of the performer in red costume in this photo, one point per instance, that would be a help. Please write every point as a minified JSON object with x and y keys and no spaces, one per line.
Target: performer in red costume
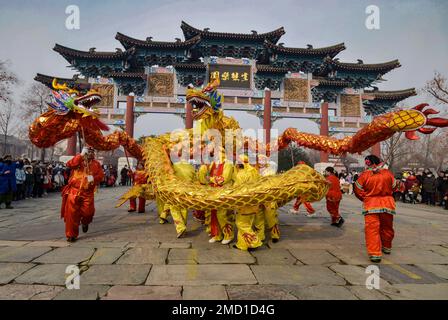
{"x":139,"y":177}
{"x":375,"y":188}
{"x":334,"y":197}
{"x":78,"y":195}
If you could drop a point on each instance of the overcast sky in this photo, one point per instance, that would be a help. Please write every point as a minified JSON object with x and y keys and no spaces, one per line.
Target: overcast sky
{"x":413,"y":31}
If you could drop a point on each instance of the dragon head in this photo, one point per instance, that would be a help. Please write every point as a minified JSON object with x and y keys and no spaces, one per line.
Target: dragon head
{"x":66,"y":99}
{"x":205,"y":102}
{"x":416,"y":119}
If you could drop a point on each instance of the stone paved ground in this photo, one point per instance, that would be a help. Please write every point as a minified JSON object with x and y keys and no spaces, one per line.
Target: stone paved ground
{"x":131,"y":256}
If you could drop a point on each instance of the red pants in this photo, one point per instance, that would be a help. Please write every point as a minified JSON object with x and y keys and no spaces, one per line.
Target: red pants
{"x":333,"y":209}
{"x":141,"y":204}
{"x":308,"y":206}
{"x":77,"y":210}
{"x":379,"y":232}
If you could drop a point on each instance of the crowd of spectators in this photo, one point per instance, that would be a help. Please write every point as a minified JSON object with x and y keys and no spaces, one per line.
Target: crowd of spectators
{"x":424,"y":187}
{"x":22,"y":179}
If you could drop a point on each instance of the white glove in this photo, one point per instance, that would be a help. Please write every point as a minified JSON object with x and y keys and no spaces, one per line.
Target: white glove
{"x":84,"y":151}
{"x":90,"y":178}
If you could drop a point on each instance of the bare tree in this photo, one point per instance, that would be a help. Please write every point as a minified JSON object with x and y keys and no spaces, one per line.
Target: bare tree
{"x":394,"y":149}
{"x":6,"y":122}
{"x":7,"y":80}
{"x":34,"y":102}
{"x":437,"y":88}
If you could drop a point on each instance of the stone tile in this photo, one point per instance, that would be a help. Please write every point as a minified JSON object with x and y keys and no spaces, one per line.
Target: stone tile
{"x":354,"y":275}
{"x":151,"y":243}
{"x":297,"y":244}
{"x":437,"y":291}
{"x":367,"y":294}
{"x":416,"y":256}
{"x":322,"y":292}
{"x":100,"y":244}
{"x":200,"y":275}
{"x":177,"y":245}
{"x":437,"y":269}
{"x":53,"y":244}
{"x":85,"y":292}
{"x":296,"y":275}
{"x":10,"y":271}
{"x":7,"y":243}
{"x":116,"y":274}
{"x":212,"y":256}
{"x":21,"y":254}
{"x":204,"y":293}
{"x":106,"y":255}
{"x":259,"y":292}
{"x":314,"y":257}
{"x":351,"y":255}
{"x":28,"y":292}
{"x":183,"y":256}
{"x":144,"y":293}
{"x":395,"y":274}
{"x":274,"y":257}
{"x":70,"y":255}
{"x":48,"y":274}
{"x":144,"y":256}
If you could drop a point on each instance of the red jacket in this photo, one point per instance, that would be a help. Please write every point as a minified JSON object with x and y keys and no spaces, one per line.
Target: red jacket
{"x":375,"y":190}
{"x":334,"y":193}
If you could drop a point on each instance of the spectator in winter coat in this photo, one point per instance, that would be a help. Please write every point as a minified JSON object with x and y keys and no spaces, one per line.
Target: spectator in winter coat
{"x":29,"y":182}
{"x":7,"y":181}
{"x":429,"y":188}
{"x":20,"y":181}
{"x":442,"y":187}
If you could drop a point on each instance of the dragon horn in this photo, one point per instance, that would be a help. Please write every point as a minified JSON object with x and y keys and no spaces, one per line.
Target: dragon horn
{"x":437,"y":122}
{"x":421,"y":106}
{"x":411,"y":135}
{"x":58,"y":86}
{"x":427,"y":130}
{"x":63,"y":86}
{"x":430,"y":111}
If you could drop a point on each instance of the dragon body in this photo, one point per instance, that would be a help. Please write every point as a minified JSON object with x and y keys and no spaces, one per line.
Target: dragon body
{"x":59,"y":123}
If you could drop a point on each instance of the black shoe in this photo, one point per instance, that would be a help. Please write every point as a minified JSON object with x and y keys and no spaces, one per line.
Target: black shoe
{"x":375,"y":259}
{"x":340,"y":222}
{"x":275,"y":240}
{"x":71,"y":239}
{"x":85,"y":228}
{"x":9,"y":207}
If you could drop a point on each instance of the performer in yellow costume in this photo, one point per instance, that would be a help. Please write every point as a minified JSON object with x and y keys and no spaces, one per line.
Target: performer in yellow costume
{"x":219,"y":221}
{"x":185,"y":171}
{"x":245,"y":216}
{"x":268,"y":216}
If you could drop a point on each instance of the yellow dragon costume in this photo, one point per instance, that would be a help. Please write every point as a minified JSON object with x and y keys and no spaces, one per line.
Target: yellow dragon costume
{"x":71,"y":112}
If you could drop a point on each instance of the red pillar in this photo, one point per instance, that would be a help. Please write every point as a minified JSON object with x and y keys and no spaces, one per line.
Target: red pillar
{"x":130,"y":115}
{"x":188,"y":116}
{"x":324,"y":128}
{"x":71,"y":145}
{"x":267,"y":116}
{"x":376,"y":149}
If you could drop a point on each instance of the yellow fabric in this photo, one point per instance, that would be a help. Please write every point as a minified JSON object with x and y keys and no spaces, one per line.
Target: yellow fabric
{"x":247,"y":238}
{"x":271,"y":216}
{"x":202,"y":174}
{"x":180,"y":218}
{"x":185,"y":171}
